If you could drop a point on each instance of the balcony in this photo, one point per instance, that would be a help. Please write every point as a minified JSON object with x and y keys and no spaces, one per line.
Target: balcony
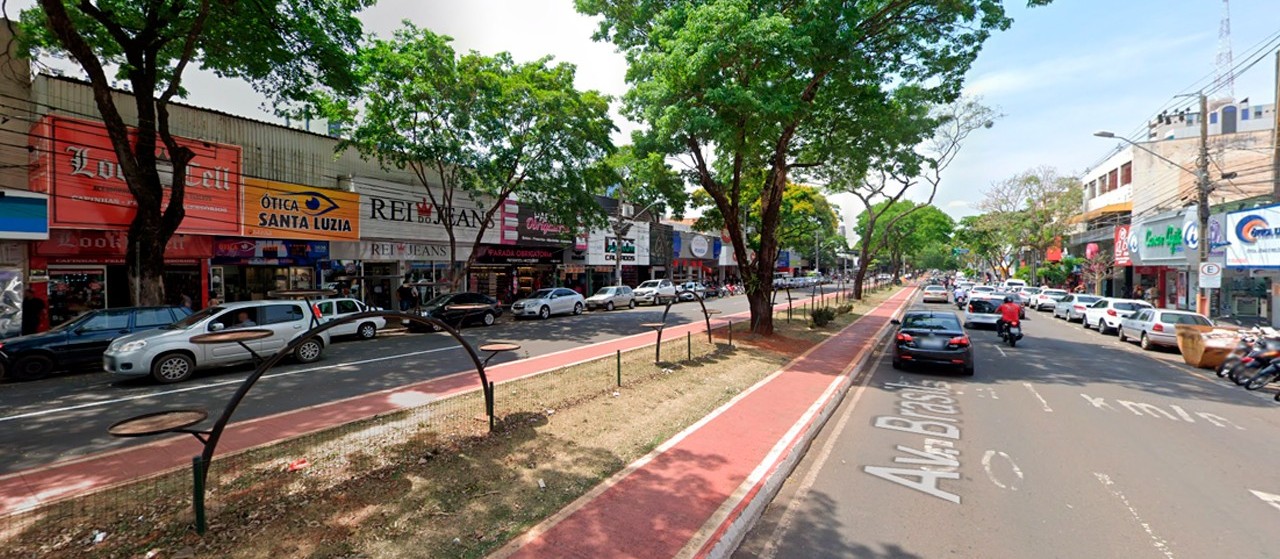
{"x":1119,"y":200}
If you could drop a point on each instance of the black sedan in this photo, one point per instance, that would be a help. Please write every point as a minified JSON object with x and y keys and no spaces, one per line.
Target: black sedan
{"x":459,"y":309}
{"x":80,"y":341}
{"x":933,"y":338}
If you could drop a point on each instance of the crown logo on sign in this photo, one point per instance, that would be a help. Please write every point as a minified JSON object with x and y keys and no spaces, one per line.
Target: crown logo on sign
{"x":424,"y":208}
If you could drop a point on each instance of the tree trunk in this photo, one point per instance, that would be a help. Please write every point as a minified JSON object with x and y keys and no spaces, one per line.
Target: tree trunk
{"x":859,"y":276}
{"x":144,"y":258}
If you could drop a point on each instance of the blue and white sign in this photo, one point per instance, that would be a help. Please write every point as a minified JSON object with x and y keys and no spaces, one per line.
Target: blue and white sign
{"x":24,"y":215}
{"x":1254,"y":238}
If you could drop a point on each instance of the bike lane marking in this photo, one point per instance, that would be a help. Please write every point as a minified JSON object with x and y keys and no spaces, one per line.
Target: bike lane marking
{"x":1157,"y":541}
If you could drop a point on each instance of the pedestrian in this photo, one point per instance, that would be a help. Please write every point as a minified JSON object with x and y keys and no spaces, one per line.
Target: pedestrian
{"x":32,"y":312}
{"x":186,"y":301}
{"x":406,"y":295}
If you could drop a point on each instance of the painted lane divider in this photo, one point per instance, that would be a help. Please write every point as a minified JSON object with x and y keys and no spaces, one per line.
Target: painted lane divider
{"x":1043,"y":403}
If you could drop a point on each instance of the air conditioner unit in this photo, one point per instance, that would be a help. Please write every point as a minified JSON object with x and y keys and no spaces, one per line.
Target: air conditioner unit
{"x":628,"y":210}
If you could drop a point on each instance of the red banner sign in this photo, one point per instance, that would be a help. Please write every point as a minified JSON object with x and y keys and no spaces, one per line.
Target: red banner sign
{"x":108,"y":247}
{"x":77,"y":166}
{"x":1123,"y":257}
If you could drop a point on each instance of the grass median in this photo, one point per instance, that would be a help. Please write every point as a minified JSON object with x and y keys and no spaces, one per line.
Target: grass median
{"x":431,"y":482}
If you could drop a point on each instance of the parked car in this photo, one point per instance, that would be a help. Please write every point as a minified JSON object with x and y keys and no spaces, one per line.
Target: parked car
{"x":1107,"y":313}
{"x":80,"y":341}
{"x":934,"y":294}
{"x":609,"y":298}
{"x":459,"y":309}
{"x":545,"y":302}
{"x":1047,"y":299}
{"x":1157,"y":327}
{"x":1072,"y":308}
{"x":337,"y":309}
{"x":167,"y":354}
{"x":932,"y":338}
{"x":655,"y":292}
{"x":982,"y":309}
{"x":689,"y":288}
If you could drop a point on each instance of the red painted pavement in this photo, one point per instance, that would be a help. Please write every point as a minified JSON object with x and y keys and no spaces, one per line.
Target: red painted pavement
{"x":657,"y":509}
{"x":28,"y":489}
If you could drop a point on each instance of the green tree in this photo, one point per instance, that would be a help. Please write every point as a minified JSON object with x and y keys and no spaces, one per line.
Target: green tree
{"x":743,"y":85}
{"x":482,"y":127}
{"x":285,"y":48}
{"x":989,"y":247}
{"x":805,"y":219}
{"x":904,"y":230}
{"x":1033,"y":209}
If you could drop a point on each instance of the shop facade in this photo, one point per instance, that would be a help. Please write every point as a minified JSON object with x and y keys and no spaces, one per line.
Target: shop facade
{"x":90,"y":209}
{"x":604,"y":250}
{"x":509,"y":272}
{"x":24,"y":218}
{"x":1162,"y":256}
{"x":1251,"y":284}
{"x":696,"y":257}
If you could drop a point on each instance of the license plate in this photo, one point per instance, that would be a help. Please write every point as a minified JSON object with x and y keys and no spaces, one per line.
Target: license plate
{"x":1016,"y":331}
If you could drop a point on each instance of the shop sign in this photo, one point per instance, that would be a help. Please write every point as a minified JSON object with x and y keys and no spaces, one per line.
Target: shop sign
{"x":76,"y":164}
{"x":269,"y":252}
{"x":537,"y":228}
{"x":24,"y":215}
{"x":784,"y":260}
{"x":1160,"y":241}
{"x":391,"y":210}
{"x":109,"y":247}
{"x":1122,"y":246}
{"x":423,"y":252}
{"x":695,"y":246}
{"x":497,"y":254}
{"x":277,"y":210}
{"x":604,"y":248}
{"x":1254,"y":237}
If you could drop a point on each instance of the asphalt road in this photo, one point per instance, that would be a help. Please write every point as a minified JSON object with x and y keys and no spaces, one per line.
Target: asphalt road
{"x":1070,"y":445}
{"x":66,"y":416}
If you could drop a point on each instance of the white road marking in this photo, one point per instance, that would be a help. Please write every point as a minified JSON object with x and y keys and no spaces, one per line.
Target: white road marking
{"x":1001,"y":350}
{"x":217,"y":384}
{"x":1043,"y":403}
{"x":1156,"y":541}
{"x":986,"y":465}
{"x":1273,"y":500}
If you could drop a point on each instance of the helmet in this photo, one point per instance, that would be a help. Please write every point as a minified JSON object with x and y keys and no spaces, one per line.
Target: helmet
{"x":1008,"y":298}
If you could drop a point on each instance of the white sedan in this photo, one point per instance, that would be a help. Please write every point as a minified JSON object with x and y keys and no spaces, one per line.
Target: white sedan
{"x":1107,"y":313}
{"x":337,"y":309}
{"x":1047,"y":299}
{"x":545,"y":302}
{"x":934,"y":294}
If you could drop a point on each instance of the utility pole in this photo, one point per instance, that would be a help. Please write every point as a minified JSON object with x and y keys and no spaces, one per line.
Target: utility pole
{"x":1203,"y":188}
{"x":1275,"y":139}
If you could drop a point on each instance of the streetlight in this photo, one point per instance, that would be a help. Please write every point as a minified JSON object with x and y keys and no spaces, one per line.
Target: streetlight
{"x":1203,"y":187}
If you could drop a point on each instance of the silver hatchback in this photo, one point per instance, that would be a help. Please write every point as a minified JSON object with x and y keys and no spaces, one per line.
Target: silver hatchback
{"x":168,"y":355}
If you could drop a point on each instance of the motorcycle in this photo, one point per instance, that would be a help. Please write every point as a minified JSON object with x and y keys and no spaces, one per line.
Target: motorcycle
{"x":1012,"y":332}
{"x":1242,"y":350}
{"x":1264,"y":351}
{"x":961,"y":300}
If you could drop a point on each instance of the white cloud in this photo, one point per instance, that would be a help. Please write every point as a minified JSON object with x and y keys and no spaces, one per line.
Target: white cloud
{"x":958,"y":204}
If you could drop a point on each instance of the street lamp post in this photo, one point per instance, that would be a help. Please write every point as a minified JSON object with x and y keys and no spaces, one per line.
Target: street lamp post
{"x":1203,"y":188}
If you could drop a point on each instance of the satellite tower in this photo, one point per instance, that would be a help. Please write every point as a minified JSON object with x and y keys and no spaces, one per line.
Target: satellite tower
{"x":1225,"y":79}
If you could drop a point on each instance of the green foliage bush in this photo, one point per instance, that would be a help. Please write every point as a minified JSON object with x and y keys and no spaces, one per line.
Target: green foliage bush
{"x":822,"y":316}
{"x":844,"y":309}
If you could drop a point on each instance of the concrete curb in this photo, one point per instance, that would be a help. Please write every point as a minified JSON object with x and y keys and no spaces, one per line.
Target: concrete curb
{"x":729,"y":534}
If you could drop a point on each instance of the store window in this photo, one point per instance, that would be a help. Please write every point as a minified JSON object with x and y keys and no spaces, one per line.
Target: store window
{"x":75,"y":291}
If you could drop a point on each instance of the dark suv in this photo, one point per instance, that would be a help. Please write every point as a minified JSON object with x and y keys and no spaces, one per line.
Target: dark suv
{"x":459,"y":309}
{"x":79,"y":341}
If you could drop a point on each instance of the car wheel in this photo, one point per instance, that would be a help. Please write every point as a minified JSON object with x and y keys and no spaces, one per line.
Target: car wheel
{"x":544,"y":312}
{"x":632,"y":304}
{"x":1120,"y":334}
{"x":1145,"y":342}
{"x":577,"y":308}
{"x":173,"y":367}
{"x":32,"y":367}
{"x":608,"y":306}
{"x":896,"y":364}
{"x":367,"y":331}
{"x":968,"y":371}
{"x":309,"y":351}
{"x":488,"y":319}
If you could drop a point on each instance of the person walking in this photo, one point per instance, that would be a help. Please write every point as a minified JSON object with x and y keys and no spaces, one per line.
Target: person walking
{"x":32,"y":311}
{"x":407,"y":296}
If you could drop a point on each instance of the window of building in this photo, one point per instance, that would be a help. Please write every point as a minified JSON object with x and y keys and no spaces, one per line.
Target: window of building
{"x":1244,"y":115}
{"x":1113,"y":179}
{"x":1213,"y":118}
{"x":1257,"y":113}
{"x":1126,"y":174}
{"x":1103,"y":187}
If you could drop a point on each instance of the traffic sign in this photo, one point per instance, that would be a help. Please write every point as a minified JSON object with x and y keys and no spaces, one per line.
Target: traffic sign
{"x":1210,"y":275}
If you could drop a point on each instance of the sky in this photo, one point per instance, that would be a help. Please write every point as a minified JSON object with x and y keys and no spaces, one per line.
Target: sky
{"x":1057,"y":75}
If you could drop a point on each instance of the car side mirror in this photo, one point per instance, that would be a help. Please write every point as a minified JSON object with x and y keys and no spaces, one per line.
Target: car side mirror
{"x":217,"y":327}
{"x":79,"y":330}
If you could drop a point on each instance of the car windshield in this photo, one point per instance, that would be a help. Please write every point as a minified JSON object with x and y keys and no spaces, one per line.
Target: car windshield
{"x":1087,"y":299}
{"x":930,"y":322}
{"x":650,"y":283}
{"x":986,"y":306}
{"x":1183,"y":318}
{"x":542,"y":294}
{"x":1125,"y":306}
{"x":192,"y":319}
{"x":934,"y":288}
{"x":607,"y":291}
{"x":1030,"y":290}
{"x":73,"y":322}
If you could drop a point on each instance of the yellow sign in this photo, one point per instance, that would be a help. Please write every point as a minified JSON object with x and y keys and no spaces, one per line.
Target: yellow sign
{"x":277,"y":210}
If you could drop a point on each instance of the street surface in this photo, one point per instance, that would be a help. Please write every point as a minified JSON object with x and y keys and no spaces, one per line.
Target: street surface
{"x":66,"y":416}
{"x":1070,"y":445}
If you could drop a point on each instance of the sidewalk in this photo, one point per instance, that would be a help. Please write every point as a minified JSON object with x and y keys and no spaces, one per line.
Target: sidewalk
{"x":29,"y":489}
{"x":698,"y":494}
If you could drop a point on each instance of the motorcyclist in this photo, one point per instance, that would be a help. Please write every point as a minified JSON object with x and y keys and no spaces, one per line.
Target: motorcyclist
{"x":1009,"y":312}
{"x":958,"y":294}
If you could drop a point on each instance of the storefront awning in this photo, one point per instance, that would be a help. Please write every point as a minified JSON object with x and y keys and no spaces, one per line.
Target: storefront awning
{"x":1118,"y":207}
